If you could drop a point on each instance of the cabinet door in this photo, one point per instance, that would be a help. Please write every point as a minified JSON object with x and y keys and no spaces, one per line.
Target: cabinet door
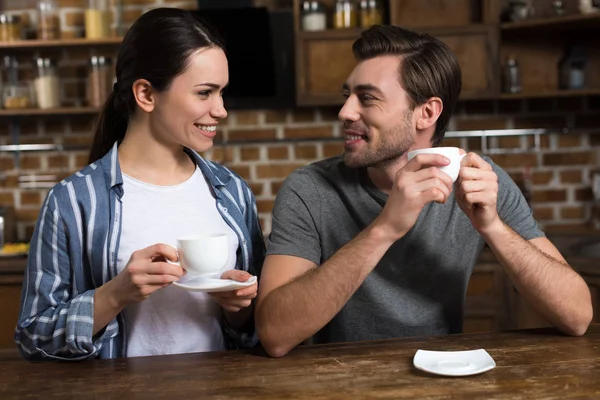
{"x":323,"y":65}
{"x":476,"y":49}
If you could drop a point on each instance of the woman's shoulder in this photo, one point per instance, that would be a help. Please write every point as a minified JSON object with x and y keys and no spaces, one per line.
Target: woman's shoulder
{"x":90,"y":177}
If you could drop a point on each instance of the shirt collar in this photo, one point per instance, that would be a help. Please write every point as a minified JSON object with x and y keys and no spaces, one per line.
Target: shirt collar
{"x":215,"y":174}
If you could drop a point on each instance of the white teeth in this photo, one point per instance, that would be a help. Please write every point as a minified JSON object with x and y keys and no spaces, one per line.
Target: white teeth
{"x":353,"y":137}
{"x":208,"y":128}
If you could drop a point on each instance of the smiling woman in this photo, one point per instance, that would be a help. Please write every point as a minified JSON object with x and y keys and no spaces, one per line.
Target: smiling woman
{"x":98,"y":283}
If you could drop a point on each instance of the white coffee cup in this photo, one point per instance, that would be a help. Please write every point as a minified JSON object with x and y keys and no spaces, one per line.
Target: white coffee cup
{"x":203,"y":254}
{"x":452,"y":153}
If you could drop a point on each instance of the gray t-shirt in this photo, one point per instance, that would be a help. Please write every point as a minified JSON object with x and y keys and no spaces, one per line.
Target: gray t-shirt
{"x":419,"y":286}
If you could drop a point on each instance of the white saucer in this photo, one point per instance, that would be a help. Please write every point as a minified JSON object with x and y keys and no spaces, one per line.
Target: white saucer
{"x":454,"y":363}
{"x":205,"y":284}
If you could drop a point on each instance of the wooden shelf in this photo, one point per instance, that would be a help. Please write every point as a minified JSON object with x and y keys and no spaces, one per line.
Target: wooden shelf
{"x":34,"y":44}
{"x":347,"y":33}
{"x":578,"y":22}
{"x":556,"y":93}
{"x":50,"y":111}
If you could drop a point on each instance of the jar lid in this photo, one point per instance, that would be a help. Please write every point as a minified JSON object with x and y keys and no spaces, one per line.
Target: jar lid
{"x":99,"y":60}
{"x":309,"y":6}
{"x":44,"y":62}
{"x":9,"y":19}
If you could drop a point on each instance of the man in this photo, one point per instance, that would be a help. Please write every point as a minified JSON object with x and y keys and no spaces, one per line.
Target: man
{"x":371,"y":245}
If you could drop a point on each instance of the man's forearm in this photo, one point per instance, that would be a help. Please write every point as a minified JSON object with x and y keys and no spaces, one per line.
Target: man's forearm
{"x":557,"y":292}
{"x":297,"y":310}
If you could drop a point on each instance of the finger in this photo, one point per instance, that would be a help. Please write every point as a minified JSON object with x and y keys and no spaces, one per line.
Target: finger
{"x":476,"y":186}
{"x":156,"y":250}
{"x":421,"y":161}
{"x":461,"y":151}
{"x":474,"y":160}
{"x":249,"y":292}
{"x":431,"y":173}
{"x":482,"y":199}
{"x":164,"y":268}
{"x":433,"y":194}
{"x":236,"y":275}
{"x":433,"y":184}
{"x":235,"y":305}
{"x":470,"y":173}
{"x":160,"y":280}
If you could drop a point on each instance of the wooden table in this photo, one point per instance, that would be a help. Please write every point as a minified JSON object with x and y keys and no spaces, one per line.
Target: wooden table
{"x":531,"y":364}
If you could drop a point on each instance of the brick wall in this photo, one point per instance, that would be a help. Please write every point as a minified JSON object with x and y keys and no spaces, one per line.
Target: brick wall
{"x":265,"y":146}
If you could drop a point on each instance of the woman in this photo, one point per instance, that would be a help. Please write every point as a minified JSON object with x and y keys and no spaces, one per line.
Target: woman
{"x":97,"y":282}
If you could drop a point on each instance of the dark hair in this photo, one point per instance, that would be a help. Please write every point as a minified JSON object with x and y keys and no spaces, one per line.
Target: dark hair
{"x":428,"y":67}
{"x":156,"y":48}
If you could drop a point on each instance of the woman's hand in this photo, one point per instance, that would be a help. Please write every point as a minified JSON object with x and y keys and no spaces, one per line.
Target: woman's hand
{"x":235,"y":300}
{"x":145,"y":273}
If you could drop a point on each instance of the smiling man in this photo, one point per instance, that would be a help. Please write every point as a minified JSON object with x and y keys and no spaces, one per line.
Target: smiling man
{"x":370,"y":245}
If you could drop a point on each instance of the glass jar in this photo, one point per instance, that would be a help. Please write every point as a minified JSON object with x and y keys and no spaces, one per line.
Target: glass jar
{"x":97,"y":20}
{"x":17,"y":96}
{"x":47,"y":84}
{"x":10,"y":28}
{"x":48,"y":20}
{"x":314,"y":17}
{"x":345,"y":14}
{"x":100,"y":80}
{"x":371,"y":13}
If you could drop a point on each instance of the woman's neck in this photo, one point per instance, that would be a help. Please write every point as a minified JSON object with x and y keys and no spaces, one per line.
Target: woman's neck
{"x":143,"y":157}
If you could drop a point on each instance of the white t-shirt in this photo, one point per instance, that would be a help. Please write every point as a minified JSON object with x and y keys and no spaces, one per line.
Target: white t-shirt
{"x":171,"y":320}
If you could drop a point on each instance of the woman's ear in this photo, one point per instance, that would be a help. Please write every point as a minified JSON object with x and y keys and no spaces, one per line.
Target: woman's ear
{"x":429,"y":112}
{"x":144,"y":95}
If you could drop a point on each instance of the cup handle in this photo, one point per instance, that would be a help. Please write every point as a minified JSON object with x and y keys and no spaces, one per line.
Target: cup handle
{"x":461,"y":157}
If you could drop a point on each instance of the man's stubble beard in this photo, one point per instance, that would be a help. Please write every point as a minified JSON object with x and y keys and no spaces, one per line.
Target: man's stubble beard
{"x":393,"y":143}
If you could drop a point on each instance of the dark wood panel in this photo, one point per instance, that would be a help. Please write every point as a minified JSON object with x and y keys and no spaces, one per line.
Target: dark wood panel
{"x":324,"y":65}
{"x":10,"y":298}
{"x":433,"y":13}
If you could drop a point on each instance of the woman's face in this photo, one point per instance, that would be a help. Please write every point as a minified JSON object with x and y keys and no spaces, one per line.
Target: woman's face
{"x":188,"y":112}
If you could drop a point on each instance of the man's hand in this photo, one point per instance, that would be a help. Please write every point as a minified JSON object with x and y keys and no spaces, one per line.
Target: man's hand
{"x":477,"y":192}
{"x":419,"y":182}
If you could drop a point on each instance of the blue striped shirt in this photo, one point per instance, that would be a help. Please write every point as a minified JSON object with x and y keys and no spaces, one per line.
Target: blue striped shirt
{"x":74,"y":251}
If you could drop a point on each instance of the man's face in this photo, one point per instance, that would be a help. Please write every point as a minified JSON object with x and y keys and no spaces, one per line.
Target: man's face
{"x":377,"y":118}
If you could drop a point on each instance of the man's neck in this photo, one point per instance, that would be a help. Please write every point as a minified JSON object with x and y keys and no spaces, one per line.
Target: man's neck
{"x":383,"y":176}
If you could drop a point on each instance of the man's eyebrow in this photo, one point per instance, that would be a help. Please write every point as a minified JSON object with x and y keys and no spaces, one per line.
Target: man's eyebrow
{"x":364,"y":87}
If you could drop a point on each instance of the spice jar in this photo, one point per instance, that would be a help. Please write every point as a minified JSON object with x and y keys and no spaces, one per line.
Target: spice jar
{"x":17,"y":96}
{"x":100,"y":80}
{"x":10,"y":28}
{"x":97,"y":20}
{"x":345,"y":14}
{"x":314,"y":17}
{"x":48,"y":20}
{"x":371,"y":13}
{"x":47,"y":85}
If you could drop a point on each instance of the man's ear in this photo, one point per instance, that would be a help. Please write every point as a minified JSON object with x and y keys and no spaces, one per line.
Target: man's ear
{"x":428,"y":113}
{"x":144,"y":95}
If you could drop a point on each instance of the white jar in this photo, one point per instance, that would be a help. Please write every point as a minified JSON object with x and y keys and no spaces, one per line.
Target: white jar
{"x":314,"y":17}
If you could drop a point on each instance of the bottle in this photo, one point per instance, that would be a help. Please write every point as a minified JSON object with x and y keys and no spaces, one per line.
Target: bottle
{"x":345,"y":14}
{"x":48,"y":20}
{"x":10,"y":28}
{"x":511,"y":76}
{"x":100,"y":80}
{"x":571,"y":69}
{"x":97,"y":20}
{"x":371,"y":13}
{"x":47,"y":85}
{"x":314,"y":17}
